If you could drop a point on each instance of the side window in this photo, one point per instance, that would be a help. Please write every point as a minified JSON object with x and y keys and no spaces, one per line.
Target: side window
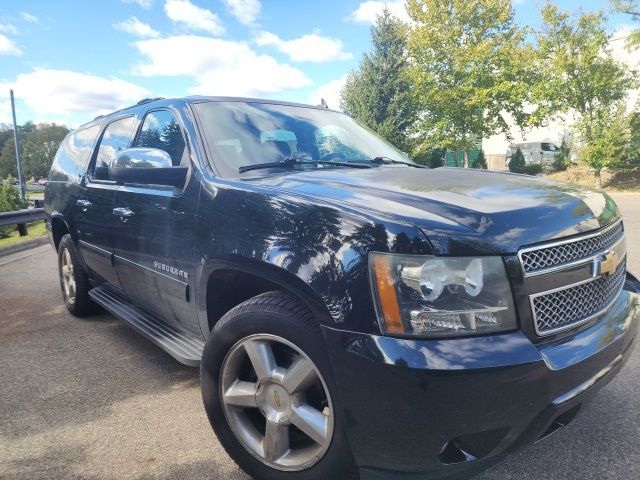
{"x":116,"y":137}
{"x":73,"y":153}
{"x":161,"y":130}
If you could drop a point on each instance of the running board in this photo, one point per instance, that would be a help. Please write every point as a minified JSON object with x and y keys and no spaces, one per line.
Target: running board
{"x":184,"y":347}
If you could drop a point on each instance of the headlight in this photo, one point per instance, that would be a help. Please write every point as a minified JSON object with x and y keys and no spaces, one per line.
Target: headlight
{"x":440,"y":296}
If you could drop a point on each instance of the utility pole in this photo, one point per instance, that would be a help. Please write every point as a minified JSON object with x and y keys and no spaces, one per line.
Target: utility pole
{"x":15,"y":140}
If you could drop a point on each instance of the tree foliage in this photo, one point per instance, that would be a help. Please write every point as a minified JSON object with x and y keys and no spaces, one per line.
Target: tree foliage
{"x":517,"y":163}
{"x":609,"y":144}
{"x":470,"y":67}
{"x":39,"y":149}
{"x":480,"y":161}
{"x":38,"y":145}
{"x":582,"y":77}
{"x":562,"y":157}
{"x":632,"y":8}
{"x":9,"y":200}
{"x":580,"y":74}
{"x":378,"y":94}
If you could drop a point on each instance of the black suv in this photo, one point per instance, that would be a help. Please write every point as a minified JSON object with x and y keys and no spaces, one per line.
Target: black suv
{"x":353,"y":314}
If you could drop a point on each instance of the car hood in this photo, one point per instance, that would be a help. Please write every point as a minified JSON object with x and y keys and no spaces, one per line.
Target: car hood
{"x":461,"y":211}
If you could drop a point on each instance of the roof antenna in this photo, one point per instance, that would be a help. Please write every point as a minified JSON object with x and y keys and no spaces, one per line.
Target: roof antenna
{"x":323,"y":103}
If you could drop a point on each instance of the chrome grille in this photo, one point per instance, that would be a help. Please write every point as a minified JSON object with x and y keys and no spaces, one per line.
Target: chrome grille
{"x":536,"y":260}
{"x":572,"y":305}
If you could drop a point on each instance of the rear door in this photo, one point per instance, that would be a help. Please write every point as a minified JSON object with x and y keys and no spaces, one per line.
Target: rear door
{"x":154,"y":247}
{"x":94,"y":218}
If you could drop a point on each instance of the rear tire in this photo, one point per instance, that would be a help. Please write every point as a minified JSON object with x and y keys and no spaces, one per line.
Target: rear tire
{"x":282,"y":423}
{"x":74,"y":281}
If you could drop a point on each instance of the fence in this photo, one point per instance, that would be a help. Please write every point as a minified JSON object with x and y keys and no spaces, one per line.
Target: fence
{"x":21,"y":218}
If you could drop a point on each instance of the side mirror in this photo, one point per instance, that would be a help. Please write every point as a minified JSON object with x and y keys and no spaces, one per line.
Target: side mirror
{"x":146,"y":166}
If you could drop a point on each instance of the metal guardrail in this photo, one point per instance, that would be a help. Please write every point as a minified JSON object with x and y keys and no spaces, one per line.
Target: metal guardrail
{"x":18,"y":217}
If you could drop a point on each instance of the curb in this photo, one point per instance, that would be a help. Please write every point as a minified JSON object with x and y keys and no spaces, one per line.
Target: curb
{"x":27,"y":244}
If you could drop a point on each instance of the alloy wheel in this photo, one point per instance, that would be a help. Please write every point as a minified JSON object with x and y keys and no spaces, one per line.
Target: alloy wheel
{"x":276,"y":402}
{"x":68,"y":278}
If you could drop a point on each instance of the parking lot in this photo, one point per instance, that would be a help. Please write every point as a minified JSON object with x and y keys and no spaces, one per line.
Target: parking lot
{"x":92,"y":399}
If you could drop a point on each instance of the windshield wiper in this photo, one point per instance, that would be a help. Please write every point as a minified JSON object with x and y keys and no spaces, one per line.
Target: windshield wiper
{"x":285,"y":162}
{"x":293,"y":160}
{"x":387,"y":160}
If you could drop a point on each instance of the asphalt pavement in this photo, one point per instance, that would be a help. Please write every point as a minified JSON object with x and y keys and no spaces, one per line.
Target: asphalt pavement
{"x":92,"y":399}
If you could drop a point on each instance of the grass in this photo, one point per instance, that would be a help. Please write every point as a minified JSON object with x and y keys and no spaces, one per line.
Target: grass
{"x":34,"y":230}
{"x":622,"y":180}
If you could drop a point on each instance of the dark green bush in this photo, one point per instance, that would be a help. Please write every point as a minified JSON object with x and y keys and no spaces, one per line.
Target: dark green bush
{"x":480,"y":161}
{"x":517,"y":163}
{"x":562,"y":160}
{"x":9,"y":200}
{"x":434,"y":158}
{"x":533,"y":169}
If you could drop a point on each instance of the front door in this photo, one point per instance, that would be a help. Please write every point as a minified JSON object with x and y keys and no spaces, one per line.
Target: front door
{"x":154,"y":245}
{"x":94,"y":207}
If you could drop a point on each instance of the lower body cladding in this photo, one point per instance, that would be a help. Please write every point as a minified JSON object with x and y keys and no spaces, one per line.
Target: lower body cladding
{"x":440,"y":409}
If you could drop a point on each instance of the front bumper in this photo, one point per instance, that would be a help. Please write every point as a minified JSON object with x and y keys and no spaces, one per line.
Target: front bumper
{"x":451,"y":408}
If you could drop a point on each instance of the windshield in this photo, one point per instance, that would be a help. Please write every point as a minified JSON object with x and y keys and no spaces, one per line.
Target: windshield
{"x":240,"y":134}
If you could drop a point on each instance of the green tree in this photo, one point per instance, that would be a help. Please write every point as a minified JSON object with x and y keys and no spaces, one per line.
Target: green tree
{"x":517,"y":163}
{"x":40,"y":147}
{"x":378,"y":94}
{"x":632,"y":8}
{"x":471,"y":68}
{"x":8,"y":158}
{"x":563,"y":157}
{"x":634,"y":144}
{"x":480,"y":161}
{"x":609,"y":144}
{"x":581,"y":77}
{"x":9,"y":200}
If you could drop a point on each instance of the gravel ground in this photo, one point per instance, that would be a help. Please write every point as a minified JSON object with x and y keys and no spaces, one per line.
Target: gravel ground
{"x":92,"y":399}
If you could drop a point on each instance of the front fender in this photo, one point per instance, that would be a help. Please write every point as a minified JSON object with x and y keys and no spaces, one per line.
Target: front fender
{"x":316,"y":250}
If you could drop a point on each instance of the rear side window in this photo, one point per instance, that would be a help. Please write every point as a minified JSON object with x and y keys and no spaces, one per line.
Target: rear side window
{"x":161,"y":130}
{"x":73,"y":154}
{"x":117,"y":136}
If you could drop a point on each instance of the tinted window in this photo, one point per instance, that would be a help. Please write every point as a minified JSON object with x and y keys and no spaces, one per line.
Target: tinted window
{"x":161,"y":130}
{"x":116,"y":137}
{"x":548,"y":147}
{"x":73,"y":153}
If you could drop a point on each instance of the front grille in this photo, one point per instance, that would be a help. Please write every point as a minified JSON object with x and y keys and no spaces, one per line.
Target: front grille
{"x":536,"y":260}
{"x":568,"y":307}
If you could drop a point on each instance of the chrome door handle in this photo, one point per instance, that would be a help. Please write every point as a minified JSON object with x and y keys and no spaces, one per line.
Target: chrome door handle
{"x":84,"y":204}
{"x":123,"y":213}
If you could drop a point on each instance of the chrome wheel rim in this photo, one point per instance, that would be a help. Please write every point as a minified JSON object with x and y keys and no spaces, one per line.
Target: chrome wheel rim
{"x":276,"y":402}
{"x":68,"y":278}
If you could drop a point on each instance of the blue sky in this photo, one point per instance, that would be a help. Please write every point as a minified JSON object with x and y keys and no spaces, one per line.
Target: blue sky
{"x":69,"y":61}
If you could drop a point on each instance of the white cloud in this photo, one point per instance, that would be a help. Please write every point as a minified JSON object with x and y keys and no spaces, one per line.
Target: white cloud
{"x":64,"y":92}
{"x":8,"y":46}
{"x":27,"y":17}
{"x":330,"y":92}
{"x":193,"y":17}
{"x":142,"y":3}
{"x":8,"y":28}
{"x":245,"y":11}
{"x":308,"y":48}
{"x":138,"y":28}
{"x":220,"y":67}
{"x":369,"y":10}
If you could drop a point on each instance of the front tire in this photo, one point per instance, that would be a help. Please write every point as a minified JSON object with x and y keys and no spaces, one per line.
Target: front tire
{"x":268,"y":392}
{"x":74,"y":281}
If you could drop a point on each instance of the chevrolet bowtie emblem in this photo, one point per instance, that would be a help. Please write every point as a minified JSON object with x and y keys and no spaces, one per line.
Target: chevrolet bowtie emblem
{"x":605,"y":264}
